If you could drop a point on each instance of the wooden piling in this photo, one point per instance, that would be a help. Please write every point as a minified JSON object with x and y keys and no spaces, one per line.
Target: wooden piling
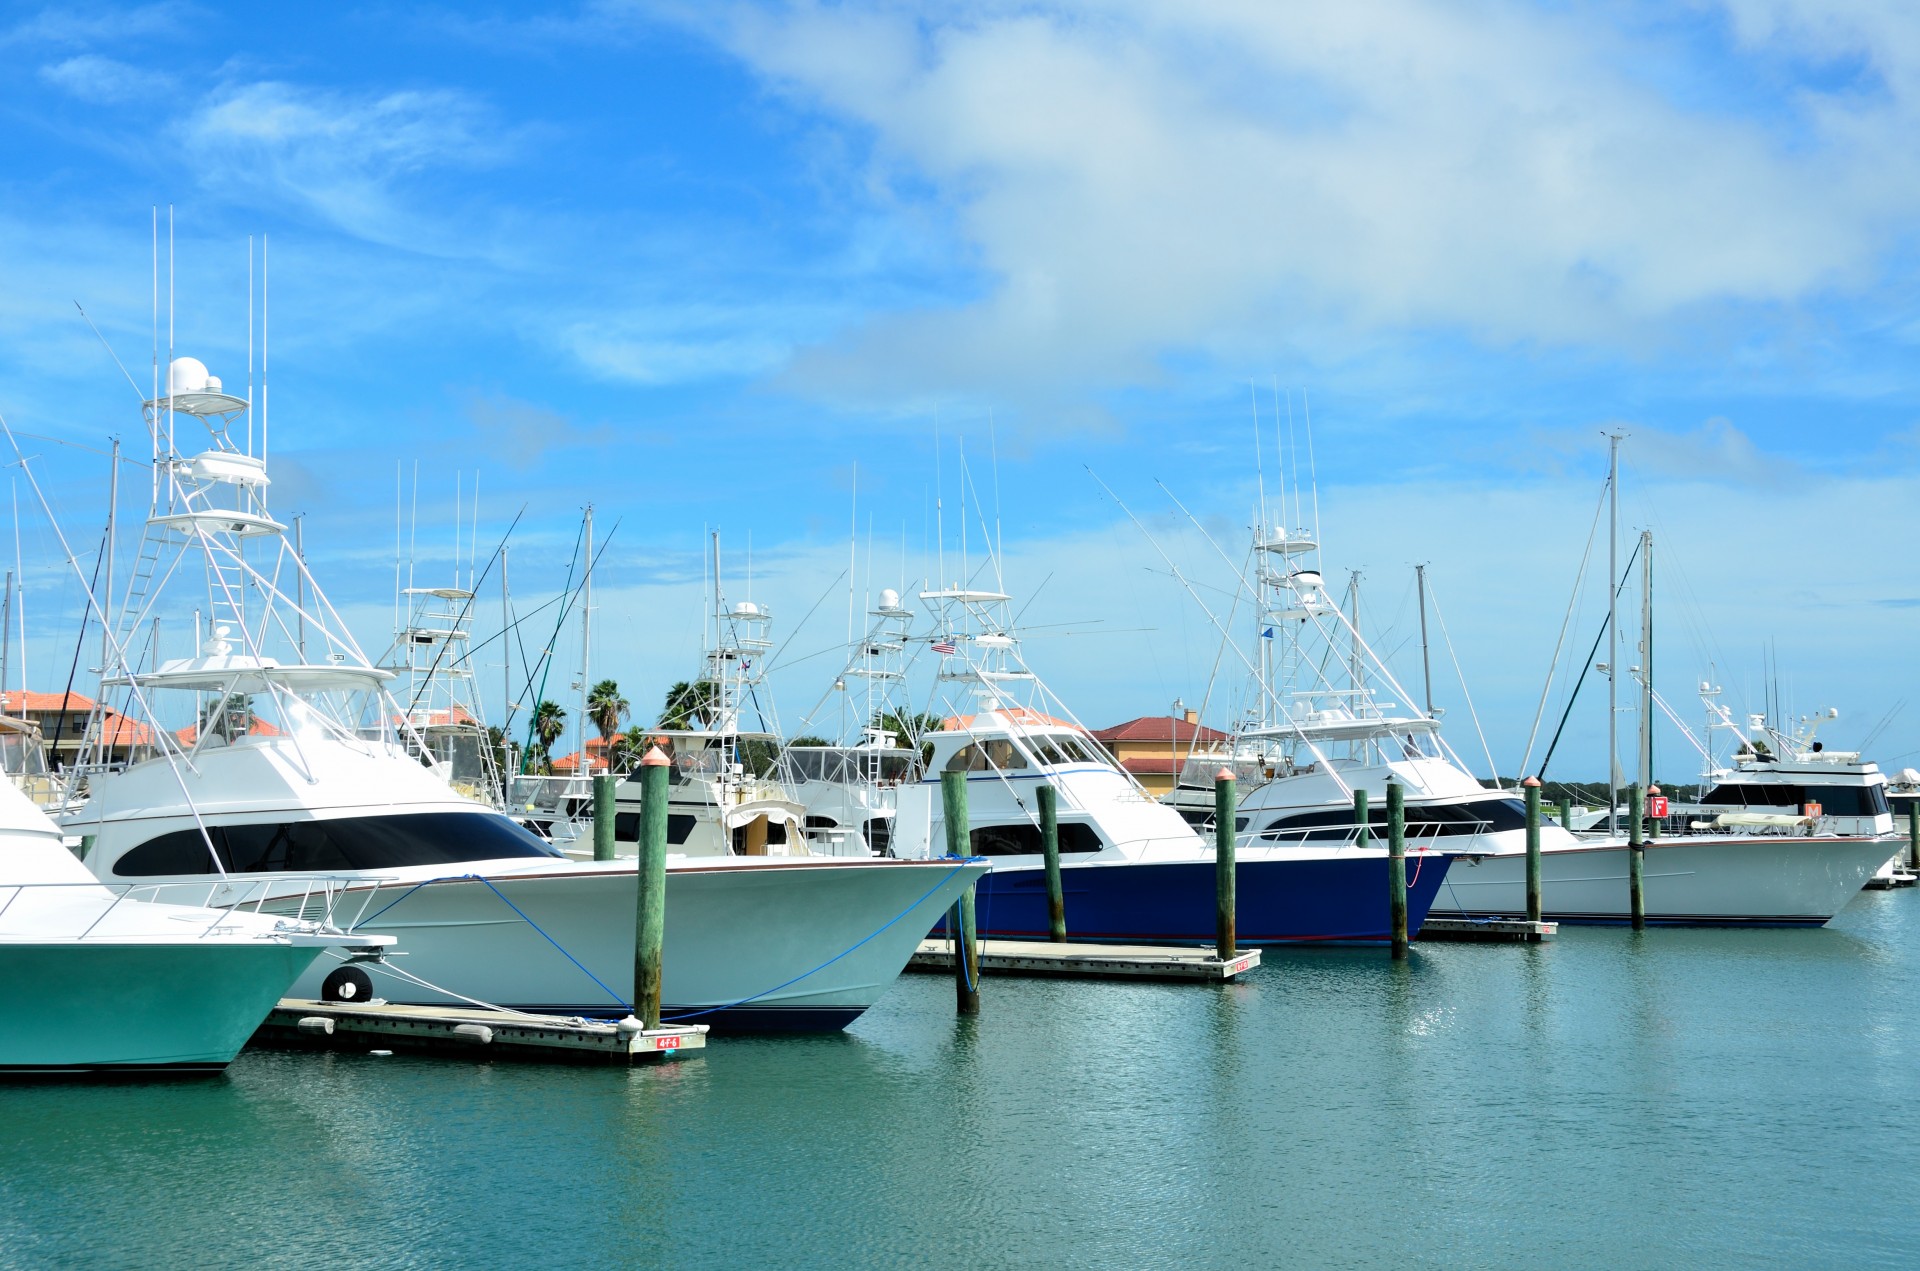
{"x":603,"y":787}
{"x":960,"y":921}
{"x":1913,"y":835}
{"x":1653,"y":822}
{"x":1566,"y":813}
{"x":1362,"y":835}
{"x":650,"y":910}
{"x":1636,"y":856}
{"x":1532,"y":786}
{"x":1225,"y":872}
{"x":1397,"y":864}
{"x":1049,"y":800}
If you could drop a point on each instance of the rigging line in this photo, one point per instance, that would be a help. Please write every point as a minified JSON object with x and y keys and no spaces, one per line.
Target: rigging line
{"x":1588,"y":666}
{"x":776,"y":664}
{"x":110,"y":353}
{"x":1566,"y":622}
{"x":473,"y":593}
{"x":1493,"y":769}
{"x":501,"y":634}
{"x":546,"y":654}
{"x":66,"y":698}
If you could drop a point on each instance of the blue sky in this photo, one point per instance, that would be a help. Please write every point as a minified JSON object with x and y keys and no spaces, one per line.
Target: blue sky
{"x":694,"y":263}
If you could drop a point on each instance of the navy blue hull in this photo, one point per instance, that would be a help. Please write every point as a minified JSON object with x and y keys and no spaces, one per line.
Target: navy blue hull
{"x":1281,"y":901}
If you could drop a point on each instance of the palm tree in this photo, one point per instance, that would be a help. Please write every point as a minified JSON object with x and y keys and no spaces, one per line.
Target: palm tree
{"x":689,"y":705}
{"x":606,"y":708}
{"x":549,"y":725}
{"x":625,"y":748}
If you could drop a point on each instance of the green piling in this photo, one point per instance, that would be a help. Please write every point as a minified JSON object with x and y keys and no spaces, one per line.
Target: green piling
{"x":1360,"y":813}
{"x":1532,"y":785}
{"x":960,"y":921}
{"x":1225,"y":874}
{"x":1397,"y":864}
{"x":1566,"y":813}
{"x":650,"y":917}
{"x":603,"y":786}
{"x":1636,"y":856}
{"x":1050,"y":850}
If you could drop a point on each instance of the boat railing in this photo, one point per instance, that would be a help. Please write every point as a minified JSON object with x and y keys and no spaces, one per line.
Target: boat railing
{"x":1420,"y":836}
{"x":319,"y":897}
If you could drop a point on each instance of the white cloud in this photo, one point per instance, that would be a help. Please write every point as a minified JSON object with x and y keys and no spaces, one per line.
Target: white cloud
{"x":1149,"y":177}
{"x":102,"y":80}
{"x":339,"y":156}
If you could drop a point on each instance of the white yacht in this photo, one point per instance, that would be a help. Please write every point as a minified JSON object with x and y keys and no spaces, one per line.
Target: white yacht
{"x":100,"y":979}
{"x":1132,"y":869}
{"x":1331,"y":729}
{"x":849,"y":789}
{"x":277,"y":753}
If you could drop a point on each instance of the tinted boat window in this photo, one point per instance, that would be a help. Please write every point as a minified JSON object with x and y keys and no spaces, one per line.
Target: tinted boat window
{"x":344,"y":843}
{"x":1024,"y":839}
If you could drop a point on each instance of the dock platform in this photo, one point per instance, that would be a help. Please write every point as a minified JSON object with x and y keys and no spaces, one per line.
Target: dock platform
{"x":471,"y":1033}
{"x":1091,"y":961}
{"x":1517,"y":930}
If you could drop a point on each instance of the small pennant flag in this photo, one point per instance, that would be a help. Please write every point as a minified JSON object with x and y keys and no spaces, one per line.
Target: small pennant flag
{"x":1267,"y":634}
{"x":943,"y":646}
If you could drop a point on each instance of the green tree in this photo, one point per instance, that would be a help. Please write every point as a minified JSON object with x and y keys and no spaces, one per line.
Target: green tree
{"x":607,"y":709}
{"x":549,"y":725}
{"x":808,"y":739}
{"x":690,"y":706}
{"x":910,"y":728}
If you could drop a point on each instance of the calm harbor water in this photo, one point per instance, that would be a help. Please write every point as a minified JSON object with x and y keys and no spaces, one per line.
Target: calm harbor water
{"x":1669,"y":1099}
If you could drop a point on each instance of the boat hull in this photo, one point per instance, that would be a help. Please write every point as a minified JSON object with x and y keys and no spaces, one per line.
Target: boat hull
{"x":1281,"y":900}
{"x":136,"y":1008}
{"x":1762,"y":881}
{"x":749,"y":947}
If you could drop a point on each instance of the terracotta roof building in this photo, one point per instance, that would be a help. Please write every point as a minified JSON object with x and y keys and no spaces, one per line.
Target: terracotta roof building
{"x":63,"y":724}
{"x":1154,"y":747}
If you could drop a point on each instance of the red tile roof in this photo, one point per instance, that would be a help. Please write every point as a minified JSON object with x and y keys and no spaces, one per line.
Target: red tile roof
{"x":14,"y":701}
{"x":258,"y":728}
{"x":1154,"y":765}
{"x":1163,"y":729}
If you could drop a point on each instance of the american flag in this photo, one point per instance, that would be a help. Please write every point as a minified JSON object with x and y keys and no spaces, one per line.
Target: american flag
{"x":943,"y":646}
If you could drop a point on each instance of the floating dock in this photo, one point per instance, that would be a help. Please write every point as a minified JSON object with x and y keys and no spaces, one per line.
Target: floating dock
{"x":1518,"y":930}
{"x":1091,"y":961}
{"x":471,"y":1033}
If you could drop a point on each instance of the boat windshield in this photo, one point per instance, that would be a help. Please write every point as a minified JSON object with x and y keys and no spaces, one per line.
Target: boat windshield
{"x":851,"y":765}
{"x":379,"y":842}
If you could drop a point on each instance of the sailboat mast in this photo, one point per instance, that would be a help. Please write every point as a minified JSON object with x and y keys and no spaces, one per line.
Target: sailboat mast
{"x":106,"y":595}
{"x":586,"y":644}
{"x":1426,"y":658}
{"x":1613,"y":631}
{"x":506,"y":647}
{"x":1646,"y":659}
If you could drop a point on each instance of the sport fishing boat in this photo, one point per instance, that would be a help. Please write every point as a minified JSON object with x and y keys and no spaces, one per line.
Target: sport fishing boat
{"x":1131,"y":868}
{"x":277,"y":756}
{"x":97,"y":979}
{"x":1332,"y":727}
{"x":849,"y":789}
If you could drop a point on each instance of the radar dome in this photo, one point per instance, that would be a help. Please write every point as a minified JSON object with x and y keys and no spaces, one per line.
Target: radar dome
{"x":187,"y":375}
{"x":889,"y":598}
{"x":746,"y":609}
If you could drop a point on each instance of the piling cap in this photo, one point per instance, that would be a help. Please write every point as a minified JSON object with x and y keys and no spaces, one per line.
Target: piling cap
{"x":1654,"y":791}
{"x":655,"y":758}
{"x":1531,"y":782}
{"x":1225,"y":774}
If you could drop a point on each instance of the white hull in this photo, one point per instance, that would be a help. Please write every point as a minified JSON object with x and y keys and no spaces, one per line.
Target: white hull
{"x":1763,"y":880}
{"x":753,"y":944}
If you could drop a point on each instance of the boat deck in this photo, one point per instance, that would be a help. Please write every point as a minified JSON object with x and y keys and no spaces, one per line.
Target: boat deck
{"x":1092,"y":961}
{"x":470,"y":1033}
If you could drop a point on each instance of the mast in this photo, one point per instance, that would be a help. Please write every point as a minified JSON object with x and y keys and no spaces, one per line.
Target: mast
{"x":1613,"y":631}
{"x":1426,"y":660}
{"x":6,"y":641}
{"x":300,"y":584}
{"x":506,"y":647}
{"x":586,"y":644}
{"x":1359,"y":667}
{"x":113,"y":510}
{"x":1646,"y":659}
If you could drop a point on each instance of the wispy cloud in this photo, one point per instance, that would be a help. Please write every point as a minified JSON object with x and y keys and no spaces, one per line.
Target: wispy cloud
{"x":337,"y":155}
{"x":90,"y":24}
{"x":103,"y":81}
{"x":523,"y":432}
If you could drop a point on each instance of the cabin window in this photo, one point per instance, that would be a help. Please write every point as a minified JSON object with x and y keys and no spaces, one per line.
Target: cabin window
{"x":1023,"y":839}
{"x":1048,"y":751}
{"x":341,"y":843}
{"x":679,"y":829}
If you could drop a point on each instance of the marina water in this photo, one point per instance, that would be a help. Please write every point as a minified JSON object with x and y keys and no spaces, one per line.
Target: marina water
{"x":1672,"y":1098}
